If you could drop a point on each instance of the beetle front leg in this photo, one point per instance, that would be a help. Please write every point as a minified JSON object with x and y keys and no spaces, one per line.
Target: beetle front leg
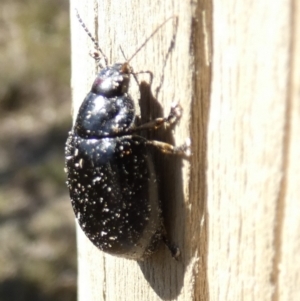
{"x":173,"y":117}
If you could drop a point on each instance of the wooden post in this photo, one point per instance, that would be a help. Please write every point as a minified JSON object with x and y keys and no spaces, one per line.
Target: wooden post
{"x":234,"y":208}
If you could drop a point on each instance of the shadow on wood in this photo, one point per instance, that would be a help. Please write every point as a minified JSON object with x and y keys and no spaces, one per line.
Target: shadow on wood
{"x":162,"y":272}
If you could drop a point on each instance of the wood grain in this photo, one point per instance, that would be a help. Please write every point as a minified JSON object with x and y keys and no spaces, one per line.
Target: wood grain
{"x":252,"y":133}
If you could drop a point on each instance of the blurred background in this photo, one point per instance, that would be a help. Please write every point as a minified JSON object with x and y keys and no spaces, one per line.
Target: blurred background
{"x":37,"y":232}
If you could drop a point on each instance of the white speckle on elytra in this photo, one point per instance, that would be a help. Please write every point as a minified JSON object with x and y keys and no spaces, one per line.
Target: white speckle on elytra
{"x":81,"y":163}
{"x":97,"y":179}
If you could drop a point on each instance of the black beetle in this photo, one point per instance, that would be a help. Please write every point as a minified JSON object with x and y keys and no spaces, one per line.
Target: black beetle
{"x":110,"y":170}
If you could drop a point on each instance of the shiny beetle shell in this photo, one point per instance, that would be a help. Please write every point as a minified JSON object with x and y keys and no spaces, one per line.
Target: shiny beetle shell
{"x":111,"y":177}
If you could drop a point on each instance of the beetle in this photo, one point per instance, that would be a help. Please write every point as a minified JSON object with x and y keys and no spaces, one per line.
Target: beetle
{"x":110,"y":170}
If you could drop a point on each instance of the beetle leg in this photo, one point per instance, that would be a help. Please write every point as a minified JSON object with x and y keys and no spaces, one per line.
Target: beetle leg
{"x":184,"y":149}
{"x":174,"y":116}
{"x":175,"y":251}
{"x":143,"y":72}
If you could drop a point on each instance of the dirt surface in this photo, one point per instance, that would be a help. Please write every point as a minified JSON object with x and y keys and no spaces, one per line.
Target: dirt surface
{"x":37,"y":232}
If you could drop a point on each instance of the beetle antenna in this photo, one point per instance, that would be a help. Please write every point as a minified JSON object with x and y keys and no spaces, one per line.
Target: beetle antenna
{"x":122,"y":51}
{"x":91,"y":37}
{"x":153,"y":33}
{"x":131,"y":70}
